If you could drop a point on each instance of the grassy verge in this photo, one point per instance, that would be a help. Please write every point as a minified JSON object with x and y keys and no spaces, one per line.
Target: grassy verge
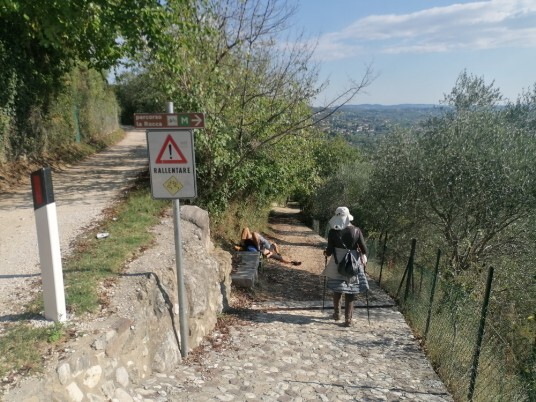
{"x":97,"y":260}
{"x":22,"y":347}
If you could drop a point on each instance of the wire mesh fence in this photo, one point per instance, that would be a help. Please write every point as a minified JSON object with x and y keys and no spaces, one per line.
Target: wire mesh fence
{"x":472,"y":347}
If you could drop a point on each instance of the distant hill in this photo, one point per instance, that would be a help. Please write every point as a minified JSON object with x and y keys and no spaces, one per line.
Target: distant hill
{"x":374,"y":106}
{"x":364,"y":124}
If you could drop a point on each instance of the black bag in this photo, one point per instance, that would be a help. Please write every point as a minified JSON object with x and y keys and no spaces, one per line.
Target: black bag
{"x":349,"y":265}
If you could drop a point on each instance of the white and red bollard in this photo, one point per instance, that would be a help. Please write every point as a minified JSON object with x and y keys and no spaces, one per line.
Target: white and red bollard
{"x":48,"y":240}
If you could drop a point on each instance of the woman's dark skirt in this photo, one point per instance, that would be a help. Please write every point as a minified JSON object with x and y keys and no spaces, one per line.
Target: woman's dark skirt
{"x":352,"y":286}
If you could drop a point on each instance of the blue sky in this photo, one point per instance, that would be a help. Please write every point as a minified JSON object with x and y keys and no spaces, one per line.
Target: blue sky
{"x":419,"y":47}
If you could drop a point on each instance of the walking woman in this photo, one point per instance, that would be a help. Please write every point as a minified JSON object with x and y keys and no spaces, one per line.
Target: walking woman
{"x":344,"y":236}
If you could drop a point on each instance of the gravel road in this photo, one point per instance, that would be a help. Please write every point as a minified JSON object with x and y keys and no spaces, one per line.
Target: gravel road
{"x":81,"y":193}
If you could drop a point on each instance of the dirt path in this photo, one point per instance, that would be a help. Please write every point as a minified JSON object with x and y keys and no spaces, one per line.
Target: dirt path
{"x":298,"y":242}
{"x":81,"y":193}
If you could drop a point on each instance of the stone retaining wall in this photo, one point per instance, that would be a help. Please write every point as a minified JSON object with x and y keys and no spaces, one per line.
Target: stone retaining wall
{"x":139,"y":335}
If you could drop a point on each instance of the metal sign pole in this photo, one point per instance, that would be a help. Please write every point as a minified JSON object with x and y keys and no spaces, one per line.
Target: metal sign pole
{"x":181,"y":292}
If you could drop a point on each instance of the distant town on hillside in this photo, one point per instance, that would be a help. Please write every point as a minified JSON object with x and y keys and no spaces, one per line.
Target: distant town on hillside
{"x":362,"y":124}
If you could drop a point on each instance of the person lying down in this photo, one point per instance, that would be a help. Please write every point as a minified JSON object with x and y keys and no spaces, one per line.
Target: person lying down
{"x":254,"y":241}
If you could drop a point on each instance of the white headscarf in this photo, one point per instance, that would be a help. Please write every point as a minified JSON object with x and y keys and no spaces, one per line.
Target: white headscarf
{"x":341,"y":219}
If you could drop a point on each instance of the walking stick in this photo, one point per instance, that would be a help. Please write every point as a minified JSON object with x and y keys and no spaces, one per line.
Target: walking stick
{"x":368,"y":311}
{"x":364,"y":273}
{"x":325,"y":279}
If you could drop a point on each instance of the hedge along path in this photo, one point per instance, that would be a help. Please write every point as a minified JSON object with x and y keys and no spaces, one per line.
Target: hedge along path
{"x":81,"y":192}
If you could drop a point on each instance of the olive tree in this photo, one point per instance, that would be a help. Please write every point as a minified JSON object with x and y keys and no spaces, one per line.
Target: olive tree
{"x":343,"y":179}
{"x":464,"y":182}
{"x":467,"y":176}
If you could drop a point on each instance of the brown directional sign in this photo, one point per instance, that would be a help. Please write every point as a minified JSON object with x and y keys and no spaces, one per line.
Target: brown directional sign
{"x":169,"y":120}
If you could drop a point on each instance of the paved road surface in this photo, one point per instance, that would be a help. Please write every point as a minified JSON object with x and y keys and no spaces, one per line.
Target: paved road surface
{"x":303,"y":355}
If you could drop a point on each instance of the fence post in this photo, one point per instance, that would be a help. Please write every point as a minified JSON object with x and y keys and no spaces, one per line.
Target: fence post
{"x":432,"y":294}
{"x":383,"y":258}
{"x":476,"y":356}
{"x":410,"y":269}
{"x":402,"y":281}
{"x":421,"y":278}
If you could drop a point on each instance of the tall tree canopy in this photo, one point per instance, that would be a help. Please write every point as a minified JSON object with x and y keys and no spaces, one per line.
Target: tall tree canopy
{"x":469,"y":174}
{"x":258,"y":141}
{"x":53,"y":35}
{"x":41,"y":41}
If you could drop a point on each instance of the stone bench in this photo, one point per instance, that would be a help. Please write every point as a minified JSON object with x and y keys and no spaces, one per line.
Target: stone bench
{"x":247,"y":269}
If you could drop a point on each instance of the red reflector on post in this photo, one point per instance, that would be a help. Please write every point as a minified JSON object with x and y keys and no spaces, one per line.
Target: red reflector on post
{"x":37,"y":189}
{"x":42,"y":187}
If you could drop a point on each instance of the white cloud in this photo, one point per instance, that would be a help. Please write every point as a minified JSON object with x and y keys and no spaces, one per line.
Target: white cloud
{"x":477,"y":25}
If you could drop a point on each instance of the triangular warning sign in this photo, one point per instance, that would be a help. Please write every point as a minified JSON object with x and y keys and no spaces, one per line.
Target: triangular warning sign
{"x":170,"y":152}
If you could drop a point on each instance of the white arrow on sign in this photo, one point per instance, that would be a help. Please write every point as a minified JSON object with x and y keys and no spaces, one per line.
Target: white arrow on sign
{"x":196,"y":120}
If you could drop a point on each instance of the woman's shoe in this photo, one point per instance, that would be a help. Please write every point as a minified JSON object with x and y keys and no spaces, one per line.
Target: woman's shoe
{"x":336,"y":316}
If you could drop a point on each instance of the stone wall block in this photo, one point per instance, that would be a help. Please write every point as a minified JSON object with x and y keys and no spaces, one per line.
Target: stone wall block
{"x":121,"y":376}
{"x":108,"y":389}
{"x":79,"y":364}
{"x":92,"y":376}
{"x":199,"y":218}
{"x":64,"y":373}
{"x":122,"y":332}
{"x":168,"y":355}
{"x":74,"y":393}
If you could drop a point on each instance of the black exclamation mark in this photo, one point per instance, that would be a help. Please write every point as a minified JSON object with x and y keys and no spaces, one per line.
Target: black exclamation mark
{"x":170,"y":155}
